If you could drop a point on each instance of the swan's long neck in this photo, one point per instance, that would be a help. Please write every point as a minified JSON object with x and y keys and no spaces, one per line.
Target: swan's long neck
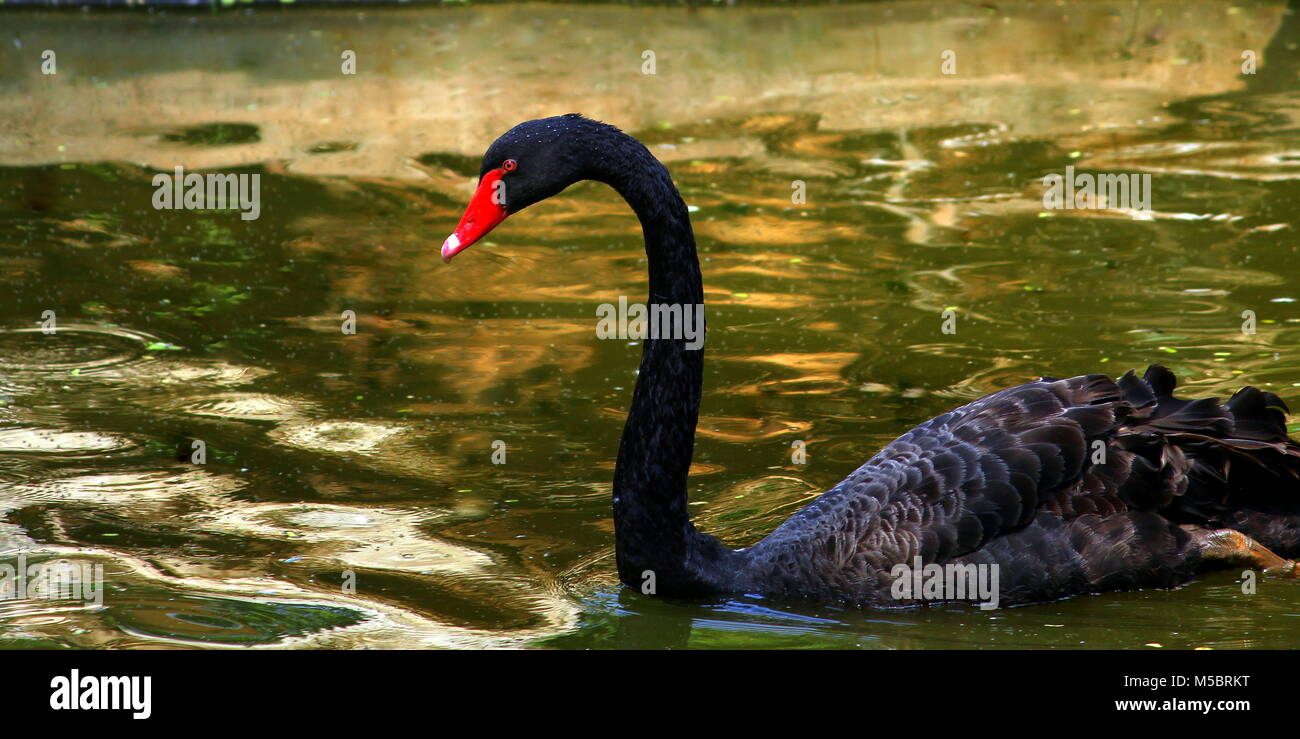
{"x":653,"y":531}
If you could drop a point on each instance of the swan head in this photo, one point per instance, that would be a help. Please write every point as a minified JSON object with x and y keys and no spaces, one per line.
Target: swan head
{"x":527,"y":164}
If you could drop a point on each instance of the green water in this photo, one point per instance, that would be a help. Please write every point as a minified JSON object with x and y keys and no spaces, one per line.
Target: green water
{"x":348,"y":497}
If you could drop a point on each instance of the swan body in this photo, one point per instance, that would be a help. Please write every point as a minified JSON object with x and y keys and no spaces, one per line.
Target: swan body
{"x":1064,"y":486}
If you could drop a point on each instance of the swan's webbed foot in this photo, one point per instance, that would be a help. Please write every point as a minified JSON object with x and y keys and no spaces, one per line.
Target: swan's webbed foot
{"x":1232,"y":547}
{"x":1291,"y":570}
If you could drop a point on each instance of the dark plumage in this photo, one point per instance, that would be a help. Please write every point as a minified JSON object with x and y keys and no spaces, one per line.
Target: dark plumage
{"x":1070,"y":486}
{"x":1011,"y":479}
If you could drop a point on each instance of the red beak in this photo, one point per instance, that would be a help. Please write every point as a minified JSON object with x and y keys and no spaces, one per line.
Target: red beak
{"x":486,"y":209}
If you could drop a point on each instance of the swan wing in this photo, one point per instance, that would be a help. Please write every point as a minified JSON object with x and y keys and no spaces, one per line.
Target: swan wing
{"x":1064,"y":448}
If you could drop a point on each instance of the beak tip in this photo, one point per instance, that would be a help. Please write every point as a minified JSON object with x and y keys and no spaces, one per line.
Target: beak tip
{"x":449,"y":248}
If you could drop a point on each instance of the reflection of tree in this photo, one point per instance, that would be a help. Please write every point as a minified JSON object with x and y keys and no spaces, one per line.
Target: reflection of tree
{"x":1280,"y":62}
{"x":1277,"y":70}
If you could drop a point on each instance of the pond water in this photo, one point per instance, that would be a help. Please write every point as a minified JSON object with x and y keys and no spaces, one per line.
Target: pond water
{"x":348,"y":496}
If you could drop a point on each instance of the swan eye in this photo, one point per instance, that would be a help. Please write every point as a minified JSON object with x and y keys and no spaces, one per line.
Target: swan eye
{"x":509,"y":165}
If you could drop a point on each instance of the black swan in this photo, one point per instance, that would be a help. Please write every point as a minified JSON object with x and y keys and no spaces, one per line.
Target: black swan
{"x":1066,"y":486}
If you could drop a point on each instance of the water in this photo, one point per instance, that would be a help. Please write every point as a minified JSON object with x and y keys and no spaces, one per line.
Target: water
{"x":335,"y":460}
